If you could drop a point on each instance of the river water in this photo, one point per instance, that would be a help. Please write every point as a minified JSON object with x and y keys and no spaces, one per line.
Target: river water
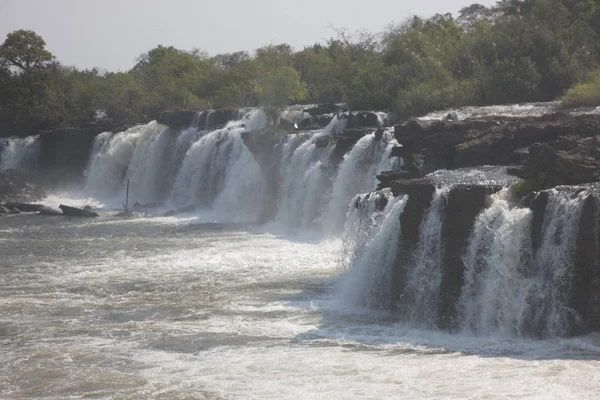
{"x":180,"y":308}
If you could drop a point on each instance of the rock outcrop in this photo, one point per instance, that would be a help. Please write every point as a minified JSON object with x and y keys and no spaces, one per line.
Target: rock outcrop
{"x":429,"y":146}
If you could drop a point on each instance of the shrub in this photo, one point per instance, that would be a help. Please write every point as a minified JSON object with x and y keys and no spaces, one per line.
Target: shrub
{"x":584,"y":94}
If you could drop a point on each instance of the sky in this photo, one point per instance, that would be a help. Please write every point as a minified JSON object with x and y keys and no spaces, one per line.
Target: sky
{"x":111,"y":34}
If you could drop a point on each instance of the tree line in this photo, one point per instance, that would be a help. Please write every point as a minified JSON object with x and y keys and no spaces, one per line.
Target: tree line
{"x":515,"y":51}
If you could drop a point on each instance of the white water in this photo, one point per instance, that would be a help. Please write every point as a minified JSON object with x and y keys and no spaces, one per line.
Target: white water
{"x":163,"y":308}
{"x":508,"y":289}
{"x":425,"y":265}
{"x":553,"y":264}
{"x":192,"y":167}
{"x":494,"y":296}
{"x":177,"y":308}
{"x":19,"y":153}
{"x":369,"y":280}
{"x":109,"y":162}
{"x":357,"y":174}
{"x":218,"y":165}
{"x":507,"y":110}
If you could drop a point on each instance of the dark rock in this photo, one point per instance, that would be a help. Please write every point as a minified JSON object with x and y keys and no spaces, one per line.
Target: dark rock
{"x":176,"y":119}
{"x":585,"y":277}
{"x":77,"y":212}
{"x":64,"y":154}
{"x":502,"y":141}
{"x":548,"y":167}
{"x":387,"y":178}
{"x":30,"y":208}
{"x":420,"y":192}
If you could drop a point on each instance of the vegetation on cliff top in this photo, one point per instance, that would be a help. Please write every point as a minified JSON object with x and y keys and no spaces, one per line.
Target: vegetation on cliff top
{"x":517,"y":51}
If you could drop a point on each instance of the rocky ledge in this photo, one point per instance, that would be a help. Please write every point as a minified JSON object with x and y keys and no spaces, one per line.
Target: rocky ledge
{"x":550,"y":150}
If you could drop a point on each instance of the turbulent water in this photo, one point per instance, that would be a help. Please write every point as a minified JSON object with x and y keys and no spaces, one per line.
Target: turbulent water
{"x":215,"y":305}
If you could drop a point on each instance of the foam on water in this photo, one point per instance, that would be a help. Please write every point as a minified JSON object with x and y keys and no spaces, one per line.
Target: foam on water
{"x":158,"y":309}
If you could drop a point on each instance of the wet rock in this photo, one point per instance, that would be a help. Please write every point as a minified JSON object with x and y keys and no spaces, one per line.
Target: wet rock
{"x":420,"y":192}
{"x":464,"y":203}
{"x":585,"y":277}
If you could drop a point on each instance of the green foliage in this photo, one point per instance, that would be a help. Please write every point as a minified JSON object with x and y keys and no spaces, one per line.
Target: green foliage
{"x":25,"y":51}
{"x":516,"y":51}
{"x":584,"y":94}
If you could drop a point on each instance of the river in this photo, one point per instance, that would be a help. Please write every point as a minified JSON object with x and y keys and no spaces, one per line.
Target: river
{"x":180,"y":308}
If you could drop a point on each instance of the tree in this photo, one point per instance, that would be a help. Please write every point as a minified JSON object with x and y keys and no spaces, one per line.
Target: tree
{"x":26,"y":51}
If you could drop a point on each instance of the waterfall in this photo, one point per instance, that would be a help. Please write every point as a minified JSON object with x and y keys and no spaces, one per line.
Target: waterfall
{"x":496,"y":263}
{"x":509,"y":290}
{"x":305,"y":173}
{"x":364,"y":215}
{"x":369,"y":279}
{"x":150,"y":164}
{"x":19,"y":153}
{"x":357,"y":174}
{"x":553,"y":264}
{"x":303,"y":185}
{"x":425,"y":265}
{"x":110,"y":158}
{"x":219,"y":172}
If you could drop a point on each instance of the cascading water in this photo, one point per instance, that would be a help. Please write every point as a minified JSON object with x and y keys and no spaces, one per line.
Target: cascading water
{"x":368,"y":281}
{"x":496,"y":262}
{"x":19,"y":153}
{"x":150,"y":164}
{"x":511,"y":291}
{"x":219,"y":172}
{"x":363,"y":216}
{"x":306,"y":170}
{"x":548,"y":311}
{"x":108,"y":164}
{"x":425,"y":265}
{"x":192,"y":167}
{"x":357,"y":174}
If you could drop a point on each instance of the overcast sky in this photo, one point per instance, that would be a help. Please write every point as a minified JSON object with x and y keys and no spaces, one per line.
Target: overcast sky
{"x":110,"y":34}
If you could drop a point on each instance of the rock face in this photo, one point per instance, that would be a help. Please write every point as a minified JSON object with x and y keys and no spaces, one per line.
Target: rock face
{"x":429,"y":146}
{"x":464,"y":203}
{"x":176,"y":119}
{"x":18,"y":185}
{"x":548,"y":167}
{"x":64,"y":154}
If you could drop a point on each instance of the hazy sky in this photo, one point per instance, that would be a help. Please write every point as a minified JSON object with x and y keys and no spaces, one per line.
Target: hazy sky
{"x":110,"y":34}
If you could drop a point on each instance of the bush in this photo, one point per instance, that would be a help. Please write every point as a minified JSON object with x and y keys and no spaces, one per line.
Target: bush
{"x":584,"y":94}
